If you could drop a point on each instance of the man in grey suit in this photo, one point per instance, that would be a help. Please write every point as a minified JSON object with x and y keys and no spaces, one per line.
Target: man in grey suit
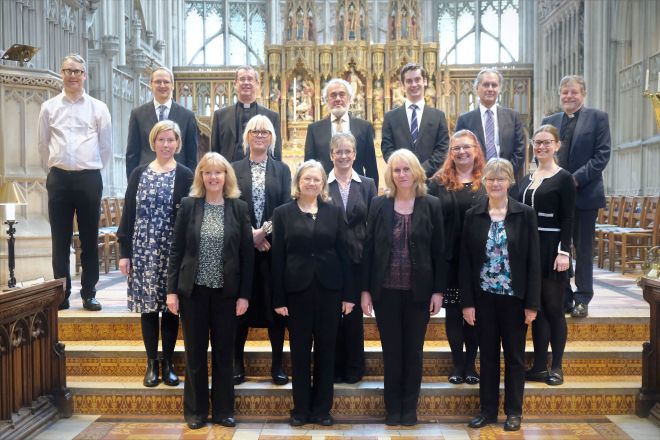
{"x":229,"y":122}
{"x":143,"y":118}
{"x":499,"y":129}
{"x":416,"y":126}
{"x":338,"y":95}
{"x":585,"y":152}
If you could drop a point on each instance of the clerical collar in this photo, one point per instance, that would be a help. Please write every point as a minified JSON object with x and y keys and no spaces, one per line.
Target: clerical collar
{"x":246,"y":106}
{"x":571,"y":116}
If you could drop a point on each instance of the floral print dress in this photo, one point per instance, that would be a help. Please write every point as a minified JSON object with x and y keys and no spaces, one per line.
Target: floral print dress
{"x":496,"y":271}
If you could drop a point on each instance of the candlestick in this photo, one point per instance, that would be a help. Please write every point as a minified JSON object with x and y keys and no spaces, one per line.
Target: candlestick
{"x":295,"y":99}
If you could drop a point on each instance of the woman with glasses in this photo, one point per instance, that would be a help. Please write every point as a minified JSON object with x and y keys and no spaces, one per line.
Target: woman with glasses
{"x":352,"y":193}
{"x":458,"y":186}
{"x":550,"y":190}
{"x":265,"y":184}
{"x":500,"y":287}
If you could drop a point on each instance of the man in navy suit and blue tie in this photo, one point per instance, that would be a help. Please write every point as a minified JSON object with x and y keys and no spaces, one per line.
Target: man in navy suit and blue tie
{"x":416,"y":126}
{"x":585,"y":152}
{"x":143,"y":119}
{"x":499,"y":129}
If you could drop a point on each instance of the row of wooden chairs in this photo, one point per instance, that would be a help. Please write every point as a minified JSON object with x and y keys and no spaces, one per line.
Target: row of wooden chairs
{"x":626,"y":229}
{"x":108,"y":246}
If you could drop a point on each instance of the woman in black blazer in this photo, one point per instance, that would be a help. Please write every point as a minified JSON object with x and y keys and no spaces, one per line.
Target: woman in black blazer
{"x":311,"y":275}
{"x":458,"y":186}
{"x":352,"y":193}
{"x":265,"y":184}
{"x":550,"y":190}
{"x":210,"y":281}
{"x":500,"y":285}
{"x":404,"y":272}
{"x":152,"y":198}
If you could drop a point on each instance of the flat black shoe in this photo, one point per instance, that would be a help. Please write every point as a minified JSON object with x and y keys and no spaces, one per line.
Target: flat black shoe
{"x":64,"y":305}
{"x":151,"y":376}
{"x":91,"y":305}
{"x":580,"y":311}
{"x":227,"y":422}
{"x":296,"y":421}
{"x":481,"y":420}
{"x":323,"y":420}
{"x":536,"y":376}
{"x":472,"y":378}
{"x":512,"y":423}
{"x":196,"y":425}
{"x":456,"y":379}
{"x":239,"y":374}
{"x":393,"y":419}
{"x":555,"y":377}
{"x":169,"y":376}
{"x":279,"y":377}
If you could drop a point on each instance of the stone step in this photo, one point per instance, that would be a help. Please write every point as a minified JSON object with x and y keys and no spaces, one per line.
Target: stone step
{"x":128,"y":358}
{"x":93,"y":326}
{"x":583,"y":395}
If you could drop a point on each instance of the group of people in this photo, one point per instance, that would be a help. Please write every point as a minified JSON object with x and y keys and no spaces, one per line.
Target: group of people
{"x":234,"y":242}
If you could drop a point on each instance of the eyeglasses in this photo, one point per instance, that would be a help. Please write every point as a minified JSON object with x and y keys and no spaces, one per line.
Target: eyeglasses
{"x":335,"y":95}
{"x":458,"y":148}
{"x":72,"y":72}
{"x":260,"y":133}
{"x":346,"y":153}
{"x":545,"y":143}
{"x":246,"y":79}
{"x":491,"y":180}
{"x":162,"y":82}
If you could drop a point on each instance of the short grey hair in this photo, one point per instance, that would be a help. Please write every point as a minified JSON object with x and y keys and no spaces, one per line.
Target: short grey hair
{"x":332,"y":82}
{"x":76,"y":58}
{"x":485,"y":70}
{"x":162,"y":69}
{"x":577,"y":79}
{"x":497,"y":167}
{"x":340,"y":137}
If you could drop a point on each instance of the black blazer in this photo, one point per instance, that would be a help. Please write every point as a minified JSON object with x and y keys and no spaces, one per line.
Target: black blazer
{"x":182,"y":181}
{"x":432,"y":141}
{"x":317,"y":145}
{"x":522,"y":244}
{"x":237,"y":256}
{"x":300,"y":254}
{"x":427,"y":254}
{"x":223,"y":132}
{"x":143,"y":119}
{"x":589,"y":155}
{"x":355,"y":214}
{"x":278,"y":186}
{"x":511,"y":134}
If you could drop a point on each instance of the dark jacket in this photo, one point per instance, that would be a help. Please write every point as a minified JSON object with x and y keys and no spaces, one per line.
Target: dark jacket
{"x":237,"y":254}
{"x":182,"y":182}
{"x":301,"y":254}
{"x":522,"y":244}
{"x":427,"y":254}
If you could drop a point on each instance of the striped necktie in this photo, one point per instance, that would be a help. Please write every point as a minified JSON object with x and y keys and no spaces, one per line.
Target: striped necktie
{"x":161,"y":112}
{"x":491,"y":151}
{"x":414,"y":129}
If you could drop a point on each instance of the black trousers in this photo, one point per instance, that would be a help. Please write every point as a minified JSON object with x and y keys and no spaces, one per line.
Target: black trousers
{"x":349,"y":355}
{"x":275,"y":335}
{"x":584,"y":225}
{"x":79,"y":193}
{"x":501,"y":320}
{"x":313,"y":319}
{"x":402,"y":325}
{"x":549,"y":327}
{"x":208,"y":310}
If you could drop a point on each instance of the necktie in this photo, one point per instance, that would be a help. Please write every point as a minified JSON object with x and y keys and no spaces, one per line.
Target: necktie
{"x":491,"y":151}
{"x":161,"y":112}
{"x":338,"y":125}
{"x":414,"y":129}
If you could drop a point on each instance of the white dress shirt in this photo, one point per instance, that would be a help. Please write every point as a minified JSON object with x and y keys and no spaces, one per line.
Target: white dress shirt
{"x":168,"y":106}
{"x":345,"y":124}
{"x":420,"y":109}
{"x":483,"y":109}
{"x":75,"y":135}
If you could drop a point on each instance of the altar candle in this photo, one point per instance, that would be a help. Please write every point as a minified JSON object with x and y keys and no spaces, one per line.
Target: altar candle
{"x":10,"y":212}
{"x":658,"y":82}
{"x":646,"y":84}
{"x":295,"y":100}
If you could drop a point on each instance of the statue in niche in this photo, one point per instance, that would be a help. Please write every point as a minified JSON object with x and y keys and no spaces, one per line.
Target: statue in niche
{"x":289,"y":26}
{"x":275,"y":94}
{"x":379,"y":100}
{"x":310,"y":26}
{"x":340,"y":24}
{"x":357,"y":108}
{"x":300,"y":24}
{"x":430,"y":96}
{"x":413,"y":26}
{"x":351,"y":22}
{"x":363,"y":28}
{"x":393,"y":25}
{"x":398,"y":97}
{"x":404,"y":23}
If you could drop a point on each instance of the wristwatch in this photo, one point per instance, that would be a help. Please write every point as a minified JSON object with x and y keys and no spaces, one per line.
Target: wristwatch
{"x":267,"y":227}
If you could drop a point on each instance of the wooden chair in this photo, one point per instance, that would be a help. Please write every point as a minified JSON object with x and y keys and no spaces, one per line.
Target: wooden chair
{"x":75,"y":243}
{"x":612,"y":219}
{"x":630,"y":245}
{"x":108,"y":225}
{"x":633,"y":208}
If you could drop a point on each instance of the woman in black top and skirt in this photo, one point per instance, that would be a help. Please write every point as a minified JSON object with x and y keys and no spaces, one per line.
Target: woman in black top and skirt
{"x":458,"y":186}
{"x":550,"y":190}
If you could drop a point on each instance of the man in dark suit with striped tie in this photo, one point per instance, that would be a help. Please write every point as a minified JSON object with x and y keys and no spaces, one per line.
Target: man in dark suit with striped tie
{"x":143,"y":118}
{"x":415,"y":125}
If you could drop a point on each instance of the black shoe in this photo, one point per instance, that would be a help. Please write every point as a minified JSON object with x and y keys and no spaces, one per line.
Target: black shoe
{"x":408,"y":421}
{"x":279,"y":376}
{"x":536,"y":376}
{"x":481,"y":420}
{"x":296,"y":421}
{"x":393,"y":419}
{"x":169,"y":376}
{"x":151,"y":376}
{"x":239,"y":374}
{"x":64,"y":305}
{"x":91,"y":304}
{"x":472,"y":378}
{"x":196,"y":425}
{"x":555,"y":377}
{"x":322,"y":420}
{"x":580,"y":311}
{"x":456,"y":379}
{"x":227,"y":422}
{"x":512,"y":423}
{"x":352,"y":379}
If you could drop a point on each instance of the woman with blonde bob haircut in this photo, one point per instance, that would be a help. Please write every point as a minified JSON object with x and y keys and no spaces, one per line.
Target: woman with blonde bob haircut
{"x":303,"y":168}
{"x":403,"y":274}
{"x":210,"y":282}
{"x":259,"y":126}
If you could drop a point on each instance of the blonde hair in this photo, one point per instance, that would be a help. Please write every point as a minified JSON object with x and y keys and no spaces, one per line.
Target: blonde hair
{"x":302,"y":168}
{"x":338,"y":138}
{"x":497,"y":167}
{"x":259,"y":122}
{"x":162,"y":126}
{"x":419,"y":176}
{"x":215,"y":160}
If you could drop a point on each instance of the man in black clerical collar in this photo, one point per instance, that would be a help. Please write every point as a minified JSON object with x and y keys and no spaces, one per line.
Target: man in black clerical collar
{"x":229,"y":122}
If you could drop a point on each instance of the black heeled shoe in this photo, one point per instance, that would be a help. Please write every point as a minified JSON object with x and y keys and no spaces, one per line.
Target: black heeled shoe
{"x":278,"y":376}
{"x":151,"y":376}
{"x":555,"y":377}
{"x":169,"y":376}
{"x":472,"y":378}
